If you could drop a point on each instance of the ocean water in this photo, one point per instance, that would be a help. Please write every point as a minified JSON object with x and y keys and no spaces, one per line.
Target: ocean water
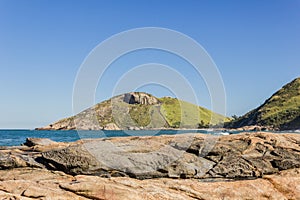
{"x":18,"y":137}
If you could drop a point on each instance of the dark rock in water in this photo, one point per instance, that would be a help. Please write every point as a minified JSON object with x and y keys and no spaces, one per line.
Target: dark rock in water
{"x":38,"y":141}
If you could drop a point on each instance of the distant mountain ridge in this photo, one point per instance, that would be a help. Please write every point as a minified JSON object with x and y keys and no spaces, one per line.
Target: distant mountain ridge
{"x":281,"y":111}
{"x":139,"y":110}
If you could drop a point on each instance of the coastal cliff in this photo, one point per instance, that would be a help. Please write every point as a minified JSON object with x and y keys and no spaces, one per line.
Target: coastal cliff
{"x":192,"y":166}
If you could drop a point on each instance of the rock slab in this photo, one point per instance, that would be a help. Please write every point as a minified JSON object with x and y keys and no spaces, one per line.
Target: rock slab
{"x":243,"y":156}
{"x":28,"y":183}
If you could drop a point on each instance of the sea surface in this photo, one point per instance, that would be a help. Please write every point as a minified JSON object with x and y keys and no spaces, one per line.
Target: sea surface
{"x":18,"y":137}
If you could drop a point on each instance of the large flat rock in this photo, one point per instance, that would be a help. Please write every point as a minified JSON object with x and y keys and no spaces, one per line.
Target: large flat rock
{"x":243,"y":156}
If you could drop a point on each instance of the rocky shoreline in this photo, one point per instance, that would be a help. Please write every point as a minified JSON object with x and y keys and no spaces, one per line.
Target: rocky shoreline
{"x":191,"y":166}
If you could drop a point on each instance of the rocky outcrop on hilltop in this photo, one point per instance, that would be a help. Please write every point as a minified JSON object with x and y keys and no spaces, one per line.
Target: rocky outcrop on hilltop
{"x":140,"y":98}
{"x":249,"y":165}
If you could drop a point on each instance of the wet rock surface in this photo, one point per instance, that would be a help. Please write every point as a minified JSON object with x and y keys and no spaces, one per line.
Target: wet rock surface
{"x":190,"y":166}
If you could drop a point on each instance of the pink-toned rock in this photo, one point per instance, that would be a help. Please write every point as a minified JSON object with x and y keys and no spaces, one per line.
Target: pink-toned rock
{"x":29,"y":183}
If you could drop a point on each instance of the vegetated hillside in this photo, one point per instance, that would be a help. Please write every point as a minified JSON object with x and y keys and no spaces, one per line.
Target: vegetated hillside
{"x":281,"y":111}
{"x":180,"y":113}
{"x":137,"y":110}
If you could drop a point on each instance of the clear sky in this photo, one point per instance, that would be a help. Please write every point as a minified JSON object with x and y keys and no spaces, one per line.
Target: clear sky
{"x":254,"y":43}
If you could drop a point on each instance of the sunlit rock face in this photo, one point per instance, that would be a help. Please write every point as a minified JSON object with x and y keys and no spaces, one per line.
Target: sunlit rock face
{"x":140,"y":98}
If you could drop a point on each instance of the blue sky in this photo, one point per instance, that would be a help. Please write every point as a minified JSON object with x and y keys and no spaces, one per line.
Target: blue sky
{"x":255,"y":45}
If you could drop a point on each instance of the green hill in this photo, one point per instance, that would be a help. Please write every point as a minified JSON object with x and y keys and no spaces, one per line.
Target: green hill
{"x":139,"y":110}
{"x":181,"y":113}
{"x":280,"y":111}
